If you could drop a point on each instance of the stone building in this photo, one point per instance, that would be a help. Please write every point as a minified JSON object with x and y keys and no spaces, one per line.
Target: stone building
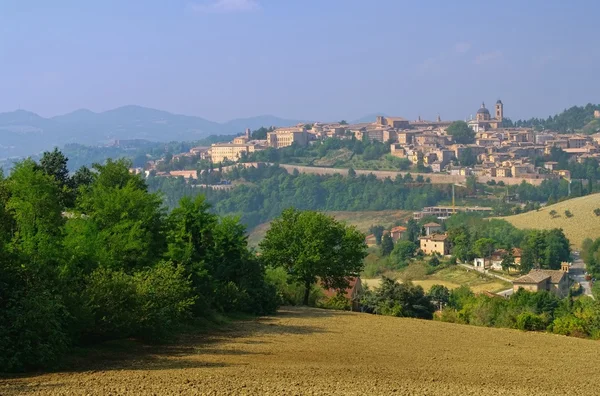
{"x":435,"y":243}
{"x":284,"y":137}
{"x":555,"y":281}
{"x":483,"y":119}
{"x":219,"y":152}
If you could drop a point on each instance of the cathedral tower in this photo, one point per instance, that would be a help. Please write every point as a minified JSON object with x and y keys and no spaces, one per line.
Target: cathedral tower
{"x":499,"y":110}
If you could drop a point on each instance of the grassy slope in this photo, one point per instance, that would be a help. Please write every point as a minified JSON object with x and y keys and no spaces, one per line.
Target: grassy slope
{"x":362,"y":220}
{"x":583,"y":224}
{"x":313,"y":351}
{"x":451,"y":277}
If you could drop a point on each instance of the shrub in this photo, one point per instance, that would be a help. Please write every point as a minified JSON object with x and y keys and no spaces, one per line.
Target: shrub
{"x":111,"y":298}
{"x":164,"y":300}
{"x":570,"y":326}
{"x":338,"y":302}
{"x":597,"y":211}
{"x":149,"y":304}
{"x":230,"y":298}
{"x":531,"y":322}
{"x":290,"y":293}
{"x":32,"y":331}
{"x":568,"y":214}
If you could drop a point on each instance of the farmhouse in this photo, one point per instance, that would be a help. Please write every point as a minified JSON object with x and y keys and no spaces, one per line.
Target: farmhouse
{"x":370,"y":240}
{"x":397,"y":232}
{"x":494,"y":262}
{"x":555,"y":281}
{"x":351,"y":293}
{"x":435,"y":243}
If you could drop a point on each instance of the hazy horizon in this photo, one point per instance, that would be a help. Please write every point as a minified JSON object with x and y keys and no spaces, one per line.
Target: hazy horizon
{"x":314,"y":60}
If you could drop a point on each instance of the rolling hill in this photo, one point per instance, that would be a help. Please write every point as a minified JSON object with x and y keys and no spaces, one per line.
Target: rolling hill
{"x":25,"y":133}
{"x":583,"y":224}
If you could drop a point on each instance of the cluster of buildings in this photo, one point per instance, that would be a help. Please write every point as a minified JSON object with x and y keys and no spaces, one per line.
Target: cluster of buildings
{"x":244,"y":145}
{"x":555,"y":281}
{"x":500,"y":152}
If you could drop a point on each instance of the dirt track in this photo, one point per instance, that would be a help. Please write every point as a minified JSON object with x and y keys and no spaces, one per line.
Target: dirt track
{"x":310,"y":351}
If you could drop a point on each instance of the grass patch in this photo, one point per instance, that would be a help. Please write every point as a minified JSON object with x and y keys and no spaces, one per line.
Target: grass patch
{"x":451,"y":276}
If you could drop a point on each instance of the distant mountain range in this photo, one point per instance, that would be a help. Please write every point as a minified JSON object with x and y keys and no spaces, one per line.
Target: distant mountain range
{"x":25,"y":133}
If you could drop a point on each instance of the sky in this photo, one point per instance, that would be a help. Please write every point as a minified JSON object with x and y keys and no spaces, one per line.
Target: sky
{"x":321,"y":60}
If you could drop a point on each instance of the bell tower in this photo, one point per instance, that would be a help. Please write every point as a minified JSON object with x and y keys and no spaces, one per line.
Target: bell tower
{"x":499,"y":110}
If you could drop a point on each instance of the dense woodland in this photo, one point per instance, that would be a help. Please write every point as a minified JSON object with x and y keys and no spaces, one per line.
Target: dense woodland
{"x":266,"y":191}
{"x":95,"y":256}
{"x":569,"y":120}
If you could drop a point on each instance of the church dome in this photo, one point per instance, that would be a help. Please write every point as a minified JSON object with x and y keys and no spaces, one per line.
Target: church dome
{"x":483,"y":110}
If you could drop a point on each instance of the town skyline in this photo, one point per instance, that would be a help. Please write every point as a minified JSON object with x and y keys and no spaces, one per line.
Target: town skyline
{"x":225,"y":59}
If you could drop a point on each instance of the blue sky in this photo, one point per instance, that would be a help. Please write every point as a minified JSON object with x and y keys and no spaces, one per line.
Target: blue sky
{"x":308,"y":59}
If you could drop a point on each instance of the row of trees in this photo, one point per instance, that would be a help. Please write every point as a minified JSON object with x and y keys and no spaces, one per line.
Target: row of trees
{"x":540,"y":311}
{"x":269,"y":190}
{"x":363,"y":149}
{"x":94,"y":256}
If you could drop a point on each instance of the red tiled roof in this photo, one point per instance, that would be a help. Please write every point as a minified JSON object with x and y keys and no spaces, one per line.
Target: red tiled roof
{"x":347,"y":293}
{"x":399,"y":228}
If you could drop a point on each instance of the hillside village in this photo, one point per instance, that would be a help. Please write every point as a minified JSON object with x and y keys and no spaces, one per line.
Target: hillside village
{"x":494,"y":151}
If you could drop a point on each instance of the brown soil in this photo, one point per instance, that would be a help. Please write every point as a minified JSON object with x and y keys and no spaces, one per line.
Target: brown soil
{"x":311,"y":351}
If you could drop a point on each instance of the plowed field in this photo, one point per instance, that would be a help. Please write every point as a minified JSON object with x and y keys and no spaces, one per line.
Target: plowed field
{"x":311,"y":351}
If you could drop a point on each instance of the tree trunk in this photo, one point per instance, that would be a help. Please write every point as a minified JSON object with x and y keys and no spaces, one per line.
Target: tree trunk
{"x":307,"y":286}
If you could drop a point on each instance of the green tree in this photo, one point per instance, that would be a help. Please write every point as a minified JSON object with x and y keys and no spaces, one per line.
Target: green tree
{"x":508,"y":261}
{"x":37,"y":213}
{"x":129,"y":221}
{"x":398,"y":299}
{"x":387,"y":244}
{"x":412,"y":231}
{"x":484,"y":247}
{"x":54,"y":163}
{"x":377,"y":231}
{"x":461,"y":132}
{"x":467,"y":157}
{"x":403,"y":251}
{"x":312,"y":246}
{"x":439,"y":295}
{"x":460,"y":241}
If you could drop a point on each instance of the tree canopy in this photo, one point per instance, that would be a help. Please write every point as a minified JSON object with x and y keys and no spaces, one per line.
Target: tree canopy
{"x":313,"y":247}
{"x":461,"y":132}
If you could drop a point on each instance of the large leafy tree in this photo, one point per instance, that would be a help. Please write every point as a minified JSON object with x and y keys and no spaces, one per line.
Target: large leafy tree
{"x":128,"y":220}
{"x":313,"y":247}
{"x":36,"y":212}
{"x":403,"y":251}
{"x":461,"y":132}
{"x":484,"y":247}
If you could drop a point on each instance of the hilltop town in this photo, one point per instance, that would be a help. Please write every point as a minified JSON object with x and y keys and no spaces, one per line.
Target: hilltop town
{"x":483,"y":146}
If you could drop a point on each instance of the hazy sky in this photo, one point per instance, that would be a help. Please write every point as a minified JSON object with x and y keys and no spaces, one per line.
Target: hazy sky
{"x":308,"y":59}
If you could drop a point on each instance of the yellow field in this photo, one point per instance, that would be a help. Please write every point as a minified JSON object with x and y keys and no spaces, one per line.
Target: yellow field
{"x":362,"y":220}
{"x":312,"y":351}
{"x":584,"y":223}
